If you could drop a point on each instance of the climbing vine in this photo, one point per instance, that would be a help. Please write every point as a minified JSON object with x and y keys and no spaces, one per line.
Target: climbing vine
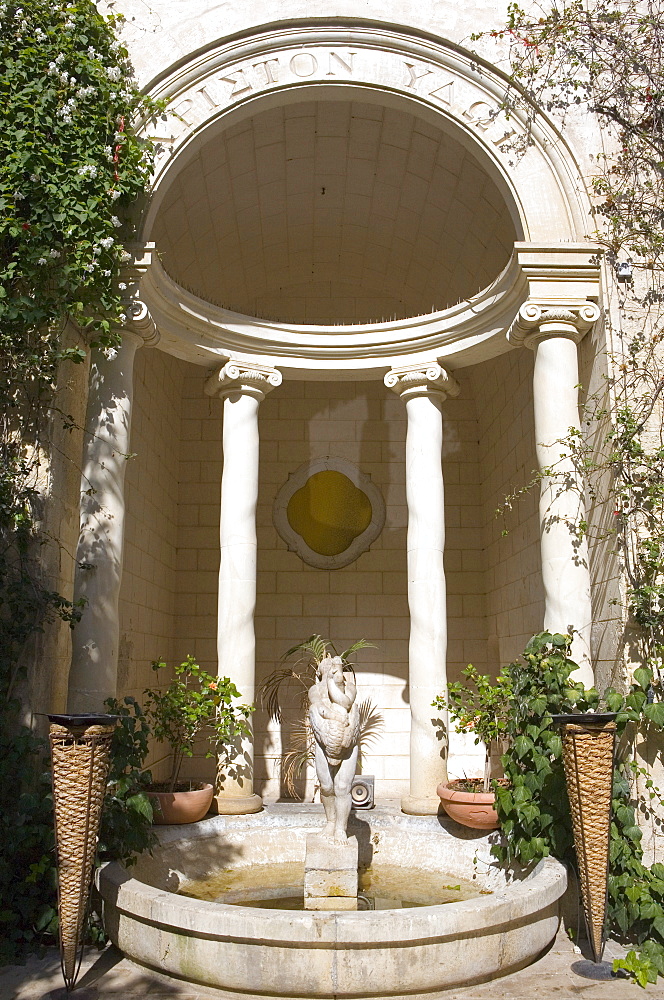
{"x":71,"y":164}
{"x":601,"y":65}
{"x":534,"y":811}
{"x":605,"y":61}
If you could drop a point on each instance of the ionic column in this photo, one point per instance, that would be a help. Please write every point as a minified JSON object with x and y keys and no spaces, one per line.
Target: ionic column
{"x":242,"y":386}
{"x":424,"y":389}
{"x":553,"y":333}
{"x":95,"y":639}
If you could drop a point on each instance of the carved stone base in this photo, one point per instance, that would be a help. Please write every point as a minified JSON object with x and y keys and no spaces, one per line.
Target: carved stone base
{"x":236,"y":805}
{"x":414,"y":805}
{"x":330,"y":874}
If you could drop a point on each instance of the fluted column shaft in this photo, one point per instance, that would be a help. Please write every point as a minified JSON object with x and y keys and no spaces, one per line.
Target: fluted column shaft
{"x":242,"y":388}
{"x":423,"y":392}
{"x":553,"y":334}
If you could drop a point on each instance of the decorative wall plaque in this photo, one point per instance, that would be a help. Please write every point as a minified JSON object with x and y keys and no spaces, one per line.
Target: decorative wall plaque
{"x":329,"y":512}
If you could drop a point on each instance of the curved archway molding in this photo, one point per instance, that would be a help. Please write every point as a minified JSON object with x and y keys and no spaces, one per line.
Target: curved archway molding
{"x":543,"y":187}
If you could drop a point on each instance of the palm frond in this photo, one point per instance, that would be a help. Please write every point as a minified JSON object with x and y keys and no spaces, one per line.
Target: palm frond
{"x":298,"y":755}
{"x":270,"y":691}
{"x":371,"y":722}
{"x":315,"y":645}
{"x":360,"y":644}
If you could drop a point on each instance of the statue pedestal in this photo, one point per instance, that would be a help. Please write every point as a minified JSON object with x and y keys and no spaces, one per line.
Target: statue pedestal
{"x":330,"y":874}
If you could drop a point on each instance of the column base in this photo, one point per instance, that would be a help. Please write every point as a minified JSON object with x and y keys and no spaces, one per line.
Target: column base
{"x":421,"y":805}
{"x":236,"y":805}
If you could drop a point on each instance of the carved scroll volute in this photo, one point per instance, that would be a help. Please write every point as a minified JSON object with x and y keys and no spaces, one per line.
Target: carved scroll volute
{"x":538,"y":321}
{"x":246,"y":377}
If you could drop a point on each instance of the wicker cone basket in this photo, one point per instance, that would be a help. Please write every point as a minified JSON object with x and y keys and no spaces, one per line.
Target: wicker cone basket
{"x":80,"y":755}
{"x":588,"y":749}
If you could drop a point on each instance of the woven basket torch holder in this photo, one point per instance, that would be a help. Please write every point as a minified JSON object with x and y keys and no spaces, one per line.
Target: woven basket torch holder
{"x":588,"y":749}
{"x":80,"y":755}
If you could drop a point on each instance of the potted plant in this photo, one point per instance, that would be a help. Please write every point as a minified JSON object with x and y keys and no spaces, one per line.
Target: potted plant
{"x":194,"y":704}
{"x":481,"y":707}
{"x":302,"y":673}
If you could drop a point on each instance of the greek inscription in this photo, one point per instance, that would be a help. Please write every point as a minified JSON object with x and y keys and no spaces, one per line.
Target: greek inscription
{"x":240,"y":85}
{"x":504,"y":138}
{"x":413,"y":76}
{"x":180,"y":109}
{"x":211,"y":103}
{"x":303,"y":64}
{"x":348,"y":66}
{"x":443,"y":93}
{"x":480,"y":114}
{"x":271,"y":74}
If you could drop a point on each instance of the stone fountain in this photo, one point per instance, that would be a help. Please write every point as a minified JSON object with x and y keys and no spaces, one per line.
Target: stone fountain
{"x":268,"y":904}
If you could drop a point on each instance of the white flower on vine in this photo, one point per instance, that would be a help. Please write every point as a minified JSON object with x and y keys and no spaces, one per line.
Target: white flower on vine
{"x":107,"y":242}
{"x":116,"y":222}
{"x":113,"y":72}
{"x":59,"y":58}
{"x":108,"y":152}
{"x":115,"y":194}
{"x":107,"y":274}
{"x":18,"y":196}
{"x":42,"y":261}
{"x":89,"y":268}
{"x":122,"y":285}
{"x":122,"y":318}
{"x":54,"y":254}
{"x":34,"y":178}
{"x":125,"y":257}
{"x":89,"y":170}
{"x":110,"y":353}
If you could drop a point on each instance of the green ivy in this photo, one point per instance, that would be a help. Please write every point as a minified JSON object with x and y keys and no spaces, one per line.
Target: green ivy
{"x":71,"y":164}
{"x":534,"y":811}
{"x":127,"y":816}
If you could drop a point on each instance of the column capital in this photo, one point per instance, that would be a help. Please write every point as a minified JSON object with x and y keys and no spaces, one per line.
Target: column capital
{"x":428,"y":379}
{"x":138,"y":319}
{"x":246,"y":377}
{"x":537,"y":321}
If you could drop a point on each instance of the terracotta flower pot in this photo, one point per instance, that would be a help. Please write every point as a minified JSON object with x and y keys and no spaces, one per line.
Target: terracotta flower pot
{"x":473,"y":809}
{"x":181,"y":806}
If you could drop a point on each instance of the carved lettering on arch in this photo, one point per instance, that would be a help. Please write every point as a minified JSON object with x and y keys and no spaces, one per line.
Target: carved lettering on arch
{"x":335,"y":61}
{"x":303,"y":64}
{"x":240,"y":85}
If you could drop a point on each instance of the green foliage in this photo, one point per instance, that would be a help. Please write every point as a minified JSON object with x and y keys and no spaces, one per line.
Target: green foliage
{"x":70,"y":165}
{"x":482,"y":708}
{"x":534,"y":811}
{"x":194,"y":704}
{"x":28,"y":897}
{"x":127,"y":815}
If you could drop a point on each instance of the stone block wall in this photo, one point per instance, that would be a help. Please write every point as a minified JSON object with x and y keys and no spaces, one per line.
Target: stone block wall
{"x":148,"y":594}
{"x":514,"y":594}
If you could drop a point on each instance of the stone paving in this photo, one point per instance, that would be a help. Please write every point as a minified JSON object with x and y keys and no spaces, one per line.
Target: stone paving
{"x":561,"y":974}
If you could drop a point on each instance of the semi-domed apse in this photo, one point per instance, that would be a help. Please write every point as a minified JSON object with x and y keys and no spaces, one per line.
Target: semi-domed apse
{"x":333,"y":212}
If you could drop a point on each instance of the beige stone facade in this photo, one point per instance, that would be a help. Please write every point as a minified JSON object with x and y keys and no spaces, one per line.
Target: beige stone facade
{"x":342,"y":257}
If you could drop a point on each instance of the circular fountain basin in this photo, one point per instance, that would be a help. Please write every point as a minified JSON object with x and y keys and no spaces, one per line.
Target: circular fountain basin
{"x":258,"y":952}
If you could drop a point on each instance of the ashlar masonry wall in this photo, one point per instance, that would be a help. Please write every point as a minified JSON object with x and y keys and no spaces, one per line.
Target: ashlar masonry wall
{"x":148,"y":593}
{"x":514,"y":594}
{"x":365,"y":424}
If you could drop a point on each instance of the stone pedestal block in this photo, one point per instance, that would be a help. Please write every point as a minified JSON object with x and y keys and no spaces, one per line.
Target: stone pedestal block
{"x":330,"y":874}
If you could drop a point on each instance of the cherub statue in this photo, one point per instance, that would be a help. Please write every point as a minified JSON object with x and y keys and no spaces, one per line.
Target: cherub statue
{"x":335,"y":721}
